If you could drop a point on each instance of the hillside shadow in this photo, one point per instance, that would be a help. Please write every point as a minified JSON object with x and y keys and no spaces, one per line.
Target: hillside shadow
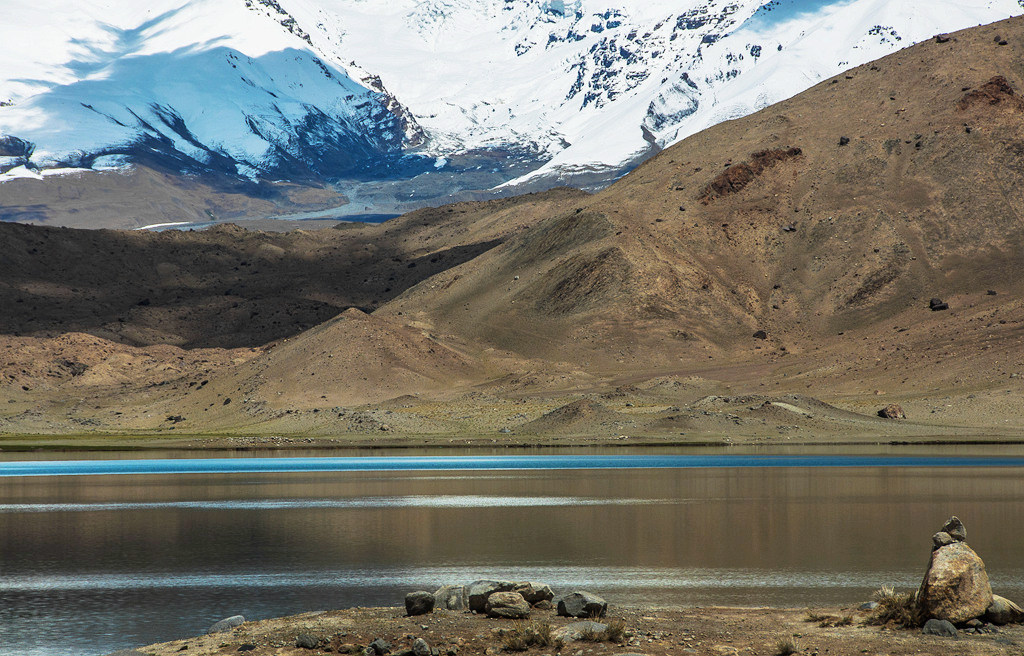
{"x":224,"y":287}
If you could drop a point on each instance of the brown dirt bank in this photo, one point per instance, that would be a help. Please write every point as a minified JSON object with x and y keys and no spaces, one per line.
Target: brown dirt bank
{"x":653,"y":631}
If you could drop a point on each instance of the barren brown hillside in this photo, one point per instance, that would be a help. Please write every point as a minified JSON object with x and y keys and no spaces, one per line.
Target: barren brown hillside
{"x":847,"y":207}
{"x":715,"y":291}
{"x":231,"y":287}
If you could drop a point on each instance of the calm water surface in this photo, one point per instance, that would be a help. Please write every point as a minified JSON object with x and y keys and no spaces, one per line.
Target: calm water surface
{"x":90,"y":564}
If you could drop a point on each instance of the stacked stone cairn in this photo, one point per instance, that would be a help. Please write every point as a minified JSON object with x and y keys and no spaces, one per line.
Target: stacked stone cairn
{"x":955,"y":591}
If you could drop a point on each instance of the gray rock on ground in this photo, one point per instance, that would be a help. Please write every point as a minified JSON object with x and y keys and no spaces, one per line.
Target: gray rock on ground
{"x":582,"y":604}
{"x":450,"y":597}
{"x":575,"y":631}
{"x":955,"y":586}
{"x":1003,"y":611}
{"x":226,"y":624}
{"x":941,"y":628}
{"x":379,"y":646}
{"x":421,"y":647}
{"x":420,"y":602}
{"x":307,"y":641}
{"x":477,"y":593}
{"x":510,"y":605}
{"x":532,"y":592}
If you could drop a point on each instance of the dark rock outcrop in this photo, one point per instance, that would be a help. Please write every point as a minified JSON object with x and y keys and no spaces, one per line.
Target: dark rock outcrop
{"x":738,"y":176}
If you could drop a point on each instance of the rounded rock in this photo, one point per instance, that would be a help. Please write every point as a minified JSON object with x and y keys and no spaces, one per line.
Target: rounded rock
{"x":421,"y":647}
{"x":510,"y":605}
{"x":419,"y":603}
{"x":941,"y":628}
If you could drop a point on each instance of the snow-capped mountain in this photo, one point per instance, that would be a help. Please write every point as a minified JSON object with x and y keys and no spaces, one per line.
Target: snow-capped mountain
{"x":350,"y":88}
{"x":205,"y":84}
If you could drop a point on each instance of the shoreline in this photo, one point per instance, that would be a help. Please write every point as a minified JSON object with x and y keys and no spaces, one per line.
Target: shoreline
{"x":648,"y":631}
{"x":245,"y":444}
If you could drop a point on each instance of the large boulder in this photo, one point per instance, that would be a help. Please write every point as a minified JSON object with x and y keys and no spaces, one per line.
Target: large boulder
{"x":1003,"y":611}
{"x":510,"y":605}
{"x":477,"y":593}
{"x":956,"y":586}
{"x":450,"y":597}
{"x":419,"y":603}
{"x":582,"y":604}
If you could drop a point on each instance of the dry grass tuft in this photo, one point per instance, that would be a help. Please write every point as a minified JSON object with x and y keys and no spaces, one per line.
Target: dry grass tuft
{"x":826,"y":621}
{"x":522,"y":636}
{"x":614,"y":631}
{"x":786,"y":646}
{"x":898,"y":608}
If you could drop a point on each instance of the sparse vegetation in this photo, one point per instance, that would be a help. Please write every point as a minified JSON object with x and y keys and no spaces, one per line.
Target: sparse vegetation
{"x":898,"y":608}
{"x":813,"y":616}
{"x":824,"y":620}
{"x":786,"y":646}
{"x":614,"y":631}
{"x":524,"y":635}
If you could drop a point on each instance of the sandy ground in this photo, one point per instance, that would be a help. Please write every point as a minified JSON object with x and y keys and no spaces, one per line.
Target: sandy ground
{"x":650,"y":631}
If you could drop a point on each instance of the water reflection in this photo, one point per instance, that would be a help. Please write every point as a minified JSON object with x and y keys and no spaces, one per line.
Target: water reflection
{"x":103,"y":558}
